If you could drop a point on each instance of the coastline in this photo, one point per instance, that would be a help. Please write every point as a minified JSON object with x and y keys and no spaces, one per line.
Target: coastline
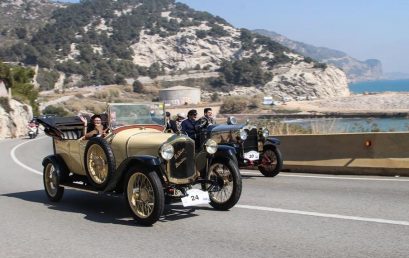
{"x":386,"y":104}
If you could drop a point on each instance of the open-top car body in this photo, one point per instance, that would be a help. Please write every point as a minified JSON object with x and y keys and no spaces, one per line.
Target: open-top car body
{"x":253,"y":146}
{"x":138,"y":159}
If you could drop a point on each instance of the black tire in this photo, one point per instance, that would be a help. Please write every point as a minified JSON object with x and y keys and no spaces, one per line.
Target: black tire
{"x":235,"y":184}
{"x":30,"y":136}
{"x":153,"y":193}
{"x":100,"y":170}
{"x":53,"y":173}
{"x":274,"y":168}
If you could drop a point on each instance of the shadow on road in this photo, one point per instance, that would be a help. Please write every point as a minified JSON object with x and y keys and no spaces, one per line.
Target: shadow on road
{"x":101,"y":208}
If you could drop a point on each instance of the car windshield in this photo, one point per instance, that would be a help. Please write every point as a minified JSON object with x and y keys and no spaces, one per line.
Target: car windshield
{"x":131,"y":114}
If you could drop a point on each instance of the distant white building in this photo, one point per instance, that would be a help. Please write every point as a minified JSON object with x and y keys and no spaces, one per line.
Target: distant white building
{"x":179,"y":95}
{"x":267,"y":100}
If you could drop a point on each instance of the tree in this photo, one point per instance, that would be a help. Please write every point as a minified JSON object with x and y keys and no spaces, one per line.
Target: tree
{"x":215,"y":97}
{"x":233,"y":105}
{"x":137,"y":87}
{"x":154,"y":70}
{"x":53,"y":110}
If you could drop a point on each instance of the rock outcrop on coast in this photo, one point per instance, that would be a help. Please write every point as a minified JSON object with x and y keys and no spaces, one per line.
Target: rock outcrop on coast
{"x":355,"y":69}
{"x":306,"y":82}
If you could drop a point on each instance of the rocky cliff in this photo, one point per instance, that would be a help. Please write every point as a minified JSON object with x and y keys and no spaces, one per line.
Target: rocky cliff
{"x":305,"y":81}
{"x":14,"y":118}
{"x":185,"y":51}
{"x":356,"y":70}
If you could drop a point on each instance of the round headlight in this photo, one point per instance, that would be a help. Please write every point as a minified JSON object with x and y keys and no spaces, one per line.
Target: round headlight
{"x":211,"y":146}
{"x":167,"y":151}
{"x":266,"y":133}
{"x":243,"y":134}
{"x":231,"y":120}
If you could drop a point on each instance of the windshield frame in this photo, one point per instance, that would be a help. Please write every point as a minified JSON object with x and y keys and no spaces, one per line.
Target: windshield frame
{"x":148,"y":105}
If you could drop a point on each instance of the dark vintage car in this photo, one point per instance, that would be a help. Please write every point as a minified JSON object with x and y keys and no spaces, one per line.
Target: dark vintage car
{"x":253,"y":146}
{"x":138,"y":159}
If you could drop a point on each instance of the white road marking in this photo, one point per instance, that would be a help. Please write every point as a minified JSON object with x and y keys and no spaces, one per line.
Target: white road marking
{"x":325,"y":215}
{"x":13,"y":156}
{"x":331,"y":177}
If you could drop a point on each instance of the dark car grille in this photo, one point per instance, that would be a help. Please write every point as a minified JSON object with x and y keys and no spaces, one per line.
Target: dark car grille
{"x":182,"y":164}
{"x":251,"y":143}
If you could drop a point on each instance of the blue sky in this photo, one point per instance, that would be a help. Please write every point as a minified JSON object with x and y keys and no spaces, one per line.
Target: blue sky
{"x":362,"y":28}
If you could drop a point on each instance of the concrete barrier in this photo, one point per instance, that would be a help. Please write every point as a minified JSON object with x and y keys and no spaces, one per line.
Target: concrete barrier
{"x":357,"y":153}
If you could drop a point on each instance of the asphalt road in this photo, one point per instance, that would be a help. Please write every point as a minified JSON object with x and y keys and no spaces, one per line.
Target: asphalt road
{"x":292,"y":215}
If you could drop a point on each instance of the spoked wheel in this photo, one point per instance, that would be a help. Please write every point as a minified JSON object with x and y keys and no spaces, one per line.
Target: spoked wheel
{"x":271,"y":162}
{"x":99,"y":162}
{"x":144,"y":196}
{"x":51,"y":179}
{"x":227,"y":177}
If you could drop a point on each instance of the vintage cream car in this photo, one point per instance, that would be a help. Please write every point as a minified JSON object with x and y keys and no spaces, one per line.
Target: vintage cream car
{"x":138,"y":159}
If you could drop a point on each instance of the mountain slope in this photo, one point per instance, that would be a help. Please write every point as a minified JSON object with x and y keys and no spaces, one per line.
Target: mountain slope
{"x":19,"y":19}
{"x":104,"y":42}
{"x":356,"y":70}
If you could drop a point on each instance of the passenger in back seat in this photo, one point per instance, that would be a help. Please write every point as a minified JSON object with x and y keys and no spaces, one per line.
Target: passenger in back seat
{"x":96,"y":128}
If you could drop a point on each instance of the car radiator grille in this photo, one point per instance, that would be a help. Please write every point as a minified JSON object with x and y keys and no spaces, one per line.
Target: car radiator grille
{"x":251,"y":143}
{"x":182,"y":164}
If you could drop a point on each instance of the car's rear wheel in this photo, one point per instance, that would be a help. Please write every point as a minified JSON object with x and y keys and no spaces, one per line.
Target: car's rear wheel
{"x":271,"y":162}
{"x":51,"y":179}
{"x":144,"y":195}
{"x":99,"y":162}
{"x":226,"y":174}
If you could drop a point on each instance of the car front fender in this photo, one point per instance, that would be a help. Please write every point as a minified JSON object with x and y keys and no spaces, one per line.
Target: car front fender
{"x":225,"y":151}
{"x":145,"y":161}
{"x":272,"y":141}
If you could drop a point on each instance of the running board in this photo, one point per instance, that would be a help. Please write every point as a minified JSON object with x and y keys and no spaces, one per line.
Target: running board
{"x":87,"y":189}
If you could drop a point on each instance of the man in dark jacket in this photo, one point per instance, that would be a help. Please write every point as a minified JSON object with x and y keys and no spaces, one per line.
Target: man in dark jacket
{"x":208,"y":117}
{"x":170,"y":124}
{"x":188,"y":125}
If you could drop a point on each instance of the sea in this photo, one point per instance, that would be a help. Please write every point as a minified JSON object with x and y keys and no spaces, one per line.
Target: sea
{"x":380,"y":86}
{"x":372,"y":124}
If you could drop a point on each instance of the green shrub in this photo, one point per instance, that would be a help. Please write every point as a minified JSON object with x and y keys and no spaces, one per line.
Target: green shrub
{"x":215,"y":97}
{"x":53,"y":110}
{"x":233,"y":105}
{"x":137,"y":87}
{"x":79,"y":95}
{"x":47,"y":79}
{"x":322,"y":66}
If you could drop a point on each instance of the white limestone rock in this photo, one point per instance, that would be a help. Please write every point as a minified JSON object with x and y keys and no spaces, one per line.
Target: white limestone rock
{"x":14,"y":123}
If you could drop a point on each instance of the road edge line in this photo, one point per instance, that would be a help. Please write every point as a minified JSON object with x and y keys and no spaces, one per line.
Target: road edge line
{"x":13,"y":156}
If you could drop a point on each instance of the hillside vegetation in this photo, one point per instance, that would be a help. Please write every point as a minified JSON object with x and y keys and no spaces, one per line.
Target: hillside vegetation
{"x":93,"y":39}
{"x":19,"y":79}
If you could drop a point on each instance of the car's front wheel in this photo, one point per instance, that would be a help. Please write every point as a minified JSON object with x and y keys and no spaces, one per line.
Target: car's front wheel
{"x":271,"y":162}
{"x":144,"y":195}
{"x":225,"y":173}
{"x":51,"y":179}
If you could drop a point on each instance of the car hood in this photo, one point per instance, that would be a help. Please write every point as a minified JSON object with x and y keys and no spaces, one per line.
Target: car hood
{"x":223,"y":134}
{"x":138,"y":141}
{"x":224,"y":128}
